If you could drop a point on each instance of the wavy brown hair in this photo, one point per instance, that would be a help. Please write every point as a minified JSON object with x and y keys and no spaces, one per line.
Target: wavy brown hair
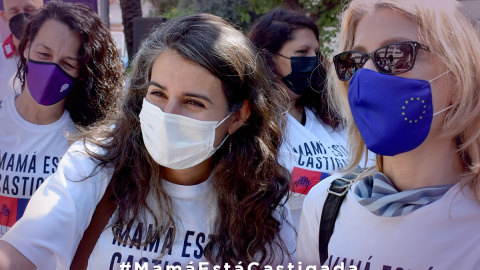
{"x":270,"y":33}
{"x":248,"y":182}
{"x":101,"y":72}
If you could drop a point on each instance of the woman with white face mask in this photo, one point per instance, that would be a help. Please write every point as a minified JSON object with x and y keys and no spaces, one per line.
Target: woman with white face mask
{"x":71,"y":76}
{"x":191,"y":161}
{"x":413,"y":101}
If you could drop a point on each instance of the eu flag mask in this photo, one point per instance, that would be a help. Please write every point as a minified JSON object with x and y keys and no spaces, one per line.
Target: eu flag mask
{"x":393,"y":114}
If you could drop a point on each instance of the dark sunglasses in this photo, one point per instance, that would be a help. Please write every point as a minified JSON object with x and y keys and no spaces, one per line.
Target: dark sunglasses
{"x":392,"y":59}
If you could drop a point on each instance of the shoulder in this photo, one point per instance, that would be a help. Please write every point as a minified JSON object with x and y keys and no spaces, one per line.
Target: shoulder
{"x":79,"y":159}
{"x":313,"y":122}
{"x":307,"y":243}
{"x":287,"y":233}
{"x":83,"y":149}
{"x":61,"y":208}
{"x":461,"y":200}
{"x":316,"y":196}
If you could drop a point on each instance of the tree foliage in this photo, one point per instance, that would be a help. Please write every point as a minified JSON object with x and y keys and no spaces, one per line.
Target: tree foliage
{"x":130,"y":10}
{"x":324,"y":12}
{"x":244,"y":12}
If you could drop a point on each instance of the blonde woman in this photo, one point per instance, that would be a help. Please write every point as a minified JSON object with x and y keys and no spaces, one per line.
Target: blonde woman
{"x":420,"y":208}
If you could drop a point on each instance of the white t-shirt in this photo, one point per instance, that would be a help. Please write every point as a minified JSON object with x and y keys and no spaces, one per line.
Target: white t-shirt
{"x":311,"y":153}
{"x":442,"y":235}
{"x":29,"y":153}
{"x":62,"y":208}
{"x":8,"y":69}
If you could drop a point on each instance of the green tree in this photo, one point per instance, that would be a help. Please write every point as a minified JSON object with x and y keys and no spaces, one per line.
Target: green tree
{"x":323,"y":12}
{"x":130,"y":10}
{"x":244,"y":12}
{"x":326,"y":14}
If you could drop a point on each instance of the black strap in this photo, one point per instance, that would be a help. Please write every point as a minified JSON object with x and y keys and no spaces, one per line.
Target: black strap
{"x":336,"y":193}
{"x":100,"y":218}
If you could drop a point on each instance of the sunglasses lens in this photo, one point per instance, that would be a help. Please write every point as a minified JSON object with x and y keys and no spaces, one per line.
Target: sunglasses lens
{"x":347,"y":63}
{"x":395,"y":58}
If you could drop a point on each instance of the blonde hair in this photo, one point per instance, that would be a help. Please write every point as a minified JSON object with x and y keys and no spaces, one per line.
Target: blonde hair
{"x":453,"y":36}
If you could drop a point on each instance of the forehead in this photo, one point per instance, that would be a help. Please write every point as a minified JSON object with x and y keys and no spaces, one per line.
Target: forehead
{"x":169,"y":69}
{"x":302,"y":36}
{"x":58,"y":37}
{"x":382,"y":26}
{"x":11,"y":4}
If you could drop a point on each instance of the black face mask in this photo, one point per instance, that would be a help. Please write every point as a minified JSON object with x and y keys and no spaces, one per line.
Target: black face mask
{"x":17,"y":23}
{"x":304,"y":74}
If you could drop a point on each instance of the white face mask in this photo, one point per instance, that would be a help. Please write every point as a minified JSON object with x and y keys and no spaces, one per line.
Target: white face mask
{"x":176,"y":141}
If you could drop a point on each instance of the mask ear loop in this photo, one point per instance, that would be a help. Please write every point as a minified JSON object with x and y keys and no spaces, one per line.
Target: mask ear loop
{"x":446,"y":108}
{"x":429,"y":82}
{"x":228,"y":135}
{"x":442,"y":110}
{"x":223,"y":120}
{"x":29,"y":48}
{"x":310,"y":83}
{"x":28,"y":58}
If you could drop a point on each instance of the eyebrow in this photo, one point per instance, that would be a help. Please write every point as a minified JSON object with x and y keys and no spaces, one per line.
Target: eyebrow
{"x":164,"y":88}
{"x":157,"y":85}
{"x":383,"y":43}
{"x":49,"y":49}
{"x":12,"y":9}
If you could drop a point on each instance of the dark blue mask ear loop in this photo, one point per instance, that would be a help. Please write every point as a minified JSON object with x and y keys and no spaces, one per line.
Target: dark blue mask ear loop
{"x":289,"y":58}
{"x":310,"y":84}
{"x":317,"y":67}
{"x":304,"y":116}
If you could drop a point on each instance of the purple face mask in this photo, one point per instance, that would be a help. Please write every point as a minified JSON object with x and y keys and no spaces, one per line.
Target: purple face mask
{"x":47,"y":82}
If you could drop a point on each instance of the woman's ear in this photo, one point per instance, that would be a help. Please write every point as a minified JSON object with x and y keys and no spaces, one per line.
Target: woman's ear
{"x":27,"y":49}
{"x":239,"y":118}
{"x":4,"y":18}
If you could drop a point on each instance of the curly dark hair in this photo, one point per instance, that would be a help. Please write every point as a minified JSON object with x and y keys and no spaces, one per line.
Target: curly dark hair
{"x":248,"y":182}
{"x":270,"y":33}
{"x":101,"y":73}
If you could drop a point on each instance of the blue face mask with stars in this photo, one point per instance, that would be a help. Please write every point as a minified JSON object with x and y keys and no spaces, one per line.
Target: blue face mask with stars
{"x":393,"y":114}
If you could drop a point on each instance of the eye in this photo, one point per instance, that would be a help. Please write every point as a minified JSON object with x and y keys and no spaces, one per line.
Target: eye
{"x":30,"y":11}
{"x":13,"y":13}
{"x":194,"y":102}
{"x":69,"y":66}
{"x":302,"y":51}
{"x":158,"y":94}
{"x":43,"y":55}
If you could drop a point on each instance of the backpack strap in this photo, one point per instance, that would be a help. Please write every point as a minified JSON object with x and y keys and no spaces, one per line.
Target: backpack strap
{"x":100,"y":218}
{"x":336,"y":193}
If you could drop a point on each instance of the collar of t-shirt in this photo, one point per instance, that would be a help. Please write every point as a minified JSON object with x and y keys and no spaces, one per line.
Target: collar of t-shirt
{"x":381,"y":197}
{"x":8,"y":47}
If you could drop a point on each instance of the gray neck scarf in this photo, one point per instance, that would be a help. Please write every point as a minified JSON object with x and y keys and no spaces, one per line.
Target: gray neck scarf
{"x":379,"y":196}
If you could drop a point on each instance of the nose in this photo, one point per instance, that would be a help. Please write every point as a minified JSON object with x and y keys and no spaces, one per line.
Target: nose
{"x":370,"y":65}
{"x":171,"y":106}
{"x":311,"y":53}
